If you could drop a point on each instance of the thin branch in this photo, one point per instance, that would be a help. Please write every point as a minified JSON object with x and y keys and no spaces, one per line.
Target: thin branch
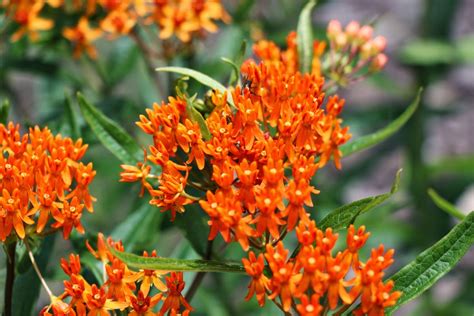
{"x":37,"y":270}
{"x":10,"y":280}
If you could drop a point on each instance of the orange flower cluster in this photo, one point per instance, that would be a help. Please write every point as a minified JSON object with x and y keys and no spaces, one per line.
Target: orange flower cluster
{"x":352,"y":50}
{"x":315,"y":273}
{"x":41,"y":179}
{"x":281,"y":120}
{"x":182,"y":18}
{"x":123,"y":289}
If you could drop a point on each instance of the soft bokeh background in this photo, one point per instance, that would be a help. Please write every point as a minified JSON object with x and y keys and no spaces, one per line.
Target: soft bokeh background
{"x":431,"y":44}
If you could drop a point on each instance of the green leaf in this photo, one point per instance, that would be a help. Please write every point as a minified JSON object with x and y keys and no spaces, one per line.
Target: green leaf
{"x":71,"y":119}
{"x":139,"y":226}
{"x":110,"y":134}
{"x":236,"y":71}
{"x":193,"y":223}
{"x":462,"y":164}
{"x":169,"y":264}
{"x":428,"y":52}
{"x":4,"y":111}
{"x":304,"y":38}
{"x":27,"y":285}
{"x":434,"y":262}
{"x":236,"y":64}
{"x":200,"y":77}
{"x":343,"y":216}
{"x":445,"y":205}
{"x":465,"y":49}
{"x":371,"y":140}
{"x":195,"y":116}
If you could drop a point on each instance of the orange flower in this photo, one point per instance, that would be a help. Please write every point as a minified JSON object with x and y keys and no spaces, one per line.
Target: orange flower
{"x":149,"y":277}
{"x":143,"y":305}
{"x":174,"y":299}
{"x":98,"y":303}
{"x":309,"y":307}
{"x":118,"y":22}
{"x":82,"y":36}
{"x":254,"y":267}
{"x":26,"y":14}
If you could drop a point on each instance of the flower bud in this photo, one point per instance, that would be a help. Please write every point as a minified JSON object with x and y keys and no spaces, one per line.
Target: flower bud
{"x":366,"y":50}
{"x":341,"y":40}
{"x":379,"y":43}
{"x":352,"y":29}
{"x":334,"y":28}
{"x":379,"y":62}
{"x":365,"y":33}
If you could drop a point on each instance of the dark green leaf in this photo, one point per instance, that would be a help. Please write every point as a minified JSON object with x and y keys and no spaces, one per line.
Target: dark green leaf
{"x":345,"y":215}
{"x":200,"y":77}
{"x":169,"y":264}
{"x":434,"y":262}
{"x":27,"y":285}
{"x":4,"y":111}
{"x":71,"y":119}
{"x":138,"y":226}
{"x":110,"y":134}
{"x":193,"y":223}
{"x":304,"y":38}
{"x":371,"y":140}
{"x":445,"y":205}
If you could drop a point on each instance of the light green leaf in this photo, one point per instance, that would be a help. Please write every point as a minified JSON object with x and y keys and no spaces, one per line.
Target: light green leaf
{"x":304,"y":38}
{"x":110,"y":134}
{"x":200,"y":77}
{"x":169,"y":264}
{"x":4,"y":111}
{"x":434,"y":262}
{"x":371,"y":140}
{"x":428,"y":52}
{"x":462,"y":164}
{"x":195,"y":116}
{"x":343,"y":216}
{"x":465,"y":49}
{"x":236,"y":64}
{"x":445,"y":205}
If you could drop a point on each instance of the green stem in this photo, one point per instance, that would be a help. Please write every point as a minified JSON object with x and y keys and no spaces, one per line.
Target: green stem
{"x":200,"y":275}
{"x":10,"y":280}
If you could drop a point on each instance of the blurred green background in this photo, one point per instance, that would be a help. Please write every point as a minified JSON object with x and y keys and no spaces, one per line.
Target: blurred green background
{"x":430,"y":44}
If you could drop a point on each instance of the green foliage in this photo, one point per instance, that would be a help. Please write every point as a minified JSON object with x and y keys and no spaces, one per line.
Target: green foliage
{"x":304,"y":38}
{"x":4,"y":110}
{"x":434,"y":262}
{"x":169,"y":264}
{"x":111,"y":135}
{"x":445,"y":205}
{"x":195,"y":116}
{"x":373,"y":139}
{"x":345,"y":215}
{"x":200,"y":77}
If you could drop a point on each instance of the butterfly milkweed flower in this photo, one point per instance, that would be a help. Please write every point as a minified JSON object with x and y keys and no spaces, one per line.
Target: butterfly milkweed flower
{"x":43,"y":182}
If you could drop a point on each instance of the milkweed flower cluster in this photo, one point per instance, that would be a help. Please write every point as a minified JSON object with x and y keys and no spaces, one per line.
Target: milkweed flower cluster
{"x":135,"y":292}
{"x":255,"y":153}
{"x":181,"y":18}
{"x":354,"y":51}
{"x":42,"y":179}
{"x":315,"y":272}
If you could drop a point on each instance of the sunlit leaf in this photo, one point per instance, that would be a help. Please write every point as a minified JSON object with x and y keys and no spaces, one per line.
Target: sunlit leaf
{"x":110,"y":134}
{"x":373,"y":139}
{"x":345,"y":215}
{"x":200,"y":77}
{"x":428,"y":52}
{"x":445,"y":205}
{"x":304,"y":38}
{"x":169,"y":264}
{"x":434,"y":262}
{"x":195,"y":116}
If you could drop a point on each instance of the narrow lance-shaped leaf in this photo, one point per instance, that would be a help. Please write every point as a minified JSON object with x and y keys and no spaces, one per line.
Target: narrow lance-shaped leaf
{"x":236,"y":64}
{"x":371,"y":140}
{"x":195,"y":116}
{"x":169,"y":264}
{"x":434,"y":262}
{"x":445,"y":205}
{"x":345,"y":215}
{"x":4,"y":110}
{"x":200,"y":77}
{"x":304,"y":38}
{"x":110,"y":134}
